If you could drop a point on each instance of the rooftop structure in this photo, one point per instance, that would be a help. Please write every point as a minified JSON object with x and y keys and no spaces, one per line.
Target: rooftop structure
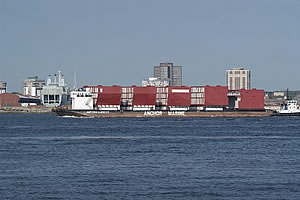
{"x":168,"y":72}
{"x":238,"y":78}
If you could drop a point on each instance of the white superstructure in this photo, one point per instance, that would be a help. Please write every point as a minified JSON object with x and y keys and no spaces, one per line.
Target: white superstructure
{"x":82,"y":100}
{"x":55,"y":92}
{"x":289,"y":107}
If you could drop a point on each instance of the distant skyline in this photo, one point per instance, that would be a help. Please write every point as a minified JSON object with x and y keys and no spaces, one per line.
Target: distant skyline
{"x":118,"y":42}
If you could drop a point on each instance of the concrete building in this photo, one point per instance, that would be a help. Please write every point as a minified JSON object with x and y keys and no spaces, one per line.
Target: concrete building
{"x":155,"y":82}
{"x":3,"y":87}
{"x":55,"y":92}
{"x":168,"y":72}
{"x":32,"y":86}
{"x":238,"y":78}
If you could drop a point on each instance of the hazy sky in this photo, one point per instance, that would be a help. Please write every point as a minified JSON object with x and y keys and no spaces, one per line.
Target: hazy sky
{"x":119,"y":42}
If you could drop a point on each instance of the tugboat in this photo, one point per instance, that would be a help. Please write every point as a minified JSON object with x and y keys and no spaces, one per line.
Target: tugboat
{"x":288,"y":108}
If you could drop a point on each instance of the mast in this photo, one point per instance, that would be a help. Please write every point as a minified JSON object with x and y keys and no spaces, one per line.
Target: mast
{"x":75,"y":80}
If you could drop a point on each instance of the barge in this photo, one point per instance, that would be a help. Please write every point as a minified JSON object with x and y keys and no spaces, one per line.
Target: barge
{"x":194,"y":101}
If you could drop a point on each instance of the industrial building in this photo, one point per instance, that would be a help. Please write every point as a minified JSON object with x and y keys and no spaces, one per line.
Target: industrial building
{"x":238,"y":78}
{"x":168,"y":72}
{"x":55,"y":92}
{"x":3,"y":87}
{"x":32,"y":86}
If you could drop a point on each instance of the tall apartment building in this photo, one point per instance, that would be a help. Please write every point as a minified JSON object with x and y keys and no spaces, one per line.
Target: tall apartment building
{"x":32,"y":86}
{"x":3,"y":87}
{"x":238,"y":78}
{"x":168,"y":72}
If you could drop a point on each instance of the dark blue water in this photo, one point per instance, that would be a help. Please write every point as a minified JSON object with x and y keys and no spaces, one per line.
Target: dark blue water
{"x":49,"y":157}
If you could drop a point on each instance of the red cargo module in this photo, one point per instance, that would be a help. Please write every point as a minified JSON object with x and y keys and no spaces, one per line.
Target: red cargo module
{"x":144,"y":95}
{"x":216,"y":95}
{"x":251,"y":99}
{"x":179,"y":96}
{"x":109,"y":95}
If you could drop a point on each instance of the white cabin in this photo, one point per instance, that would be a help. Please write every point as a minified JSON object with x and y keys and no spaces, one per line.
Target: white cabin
{"x":82,"y":100}
{"x":289,"y":107}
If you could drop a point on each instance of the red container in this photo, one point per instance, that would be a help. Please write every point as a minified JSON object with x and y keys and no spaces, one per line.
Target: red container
{"x":179,"y":96}
{"x":144,"y":95}
{"x":216,"y":95}
{"x":251,"y":99}
{"x":109,"y":95}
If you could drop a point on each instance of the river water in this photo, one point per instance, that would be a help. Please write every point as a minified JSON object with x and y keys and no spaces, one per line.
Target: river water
{"x":48,"y":157}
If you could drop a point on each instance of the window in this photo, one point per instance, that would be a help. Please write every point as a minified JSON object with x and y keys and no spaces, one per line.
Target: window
{"x":237,"y":83}
{"x":56,"y":98}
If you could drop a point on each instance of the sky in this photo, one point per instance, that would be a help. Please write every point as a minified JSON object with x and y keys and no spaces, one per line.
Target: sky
{"x":117,"y":42}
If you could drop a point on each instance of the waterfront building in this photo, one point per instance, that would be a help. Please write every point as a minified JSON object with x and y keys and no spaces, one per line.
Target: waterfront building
{"x":3,"y":87}
{"x":168,"y":72}
{"x":156,"y":82}
{"x":18,"y":100}
{"x":238,"y":78}
{"x":56,"y":92}
{"x":32,"y":86}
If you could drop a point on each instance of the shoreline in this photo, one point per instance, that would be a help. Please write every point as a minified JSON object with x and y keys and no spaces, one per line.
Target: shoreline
{"x":25,"y":110}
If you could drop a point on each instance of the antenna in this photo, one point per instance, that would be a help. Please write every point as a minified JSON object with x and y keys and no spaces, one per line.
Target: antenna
{"x":75,"y":80}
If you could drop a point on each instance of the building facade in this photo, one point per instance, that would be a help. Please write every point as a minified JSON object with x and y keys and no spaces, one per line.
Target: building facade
{"x":238,"y":78}
{"x":168,"y":72}
{"x":32,"y":86}
{"x":55,"y":92}
{"x":3,"y":87}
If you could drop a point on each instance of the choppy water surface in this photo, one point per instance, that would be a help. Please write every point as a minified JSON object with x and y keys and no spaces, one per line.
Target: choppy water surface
{"x":49,"y":157}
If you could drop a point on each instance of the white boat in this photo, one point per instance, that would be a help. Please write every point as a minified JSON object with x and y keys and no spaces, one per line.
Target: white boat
{"x":288,"y":108}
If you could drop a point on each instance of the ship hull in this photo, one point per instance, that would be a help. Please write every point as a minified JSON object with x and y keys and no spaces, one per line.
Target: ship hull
{"x":286,"y":114}
{"x":147,"y":114}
